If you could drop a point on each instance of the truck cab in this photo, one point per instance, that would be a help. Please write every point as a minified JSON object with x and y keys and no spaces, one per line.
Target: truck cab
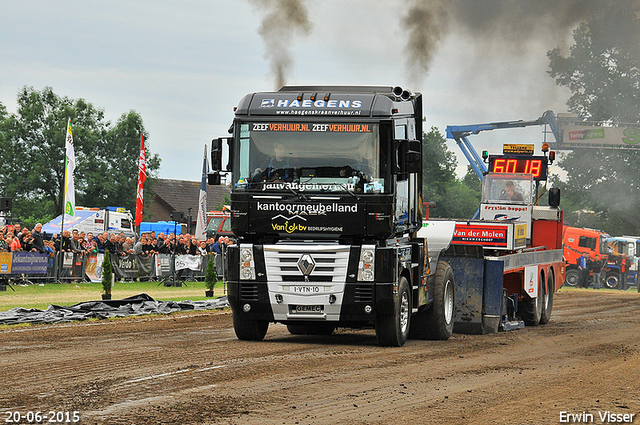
{"x":218,"y":224}
{"x":575,"y":242}
{"x":622,"y":249}
{"x":326,"y":202}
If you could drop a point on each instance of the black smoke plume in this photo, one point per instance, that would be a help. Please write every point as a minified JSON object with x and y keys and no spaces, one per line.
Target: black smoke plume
{"x":505,"y":25}
{"x":284,"y":19}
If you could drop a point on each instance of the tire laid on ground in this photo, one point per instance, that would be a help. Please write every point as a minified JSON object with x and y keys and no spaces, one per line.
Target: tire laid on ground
{"x":572,"y":278}
{"x":436,"y":322}
{"x":547,"y":300}
{"x":311,"y":329}
{"x":612,"y":280}
{"x":531,"y":308}
{"x":249,"y":330}
{"x":393,"y":329}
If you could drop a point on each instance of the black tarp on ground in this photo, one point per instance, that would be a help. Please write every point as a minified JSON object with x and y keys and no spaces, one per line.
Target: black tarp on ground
{"x":131,"y":306}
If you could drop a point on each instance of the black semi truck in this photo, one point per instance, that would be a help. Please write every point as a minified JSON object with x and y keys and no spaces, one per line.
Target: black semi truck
{"x":326,"y":205}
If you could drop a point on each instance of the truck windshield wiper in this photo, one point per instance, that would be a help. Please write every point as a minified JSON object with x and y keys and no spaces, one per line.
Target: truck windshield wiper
{"x":345,"y":188}
{"x":300,"y":196}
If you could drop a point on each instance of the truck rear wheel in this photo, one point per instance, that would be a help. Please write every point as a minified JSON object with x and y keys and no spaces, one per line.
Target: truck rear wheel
{"x":572,"y":278}
{"x":249,"y":330}
{"x":612,"y":281}
{"x":436,"y":322}
{"x":531,"y":308}
{"x":547,"y":304}
{"x":393,"y":329}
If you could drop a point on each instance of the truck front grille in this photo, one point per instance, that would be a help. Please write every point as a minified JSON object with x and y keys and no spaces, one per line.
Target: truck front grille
{"x":330,"y":262}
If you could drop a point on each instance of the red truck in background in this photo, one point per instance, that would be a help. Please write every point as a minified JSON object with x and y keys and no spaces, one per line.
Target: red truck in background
{"x":526,"y":238}
{"x":575,"y":242}
{"x":218,"y":224}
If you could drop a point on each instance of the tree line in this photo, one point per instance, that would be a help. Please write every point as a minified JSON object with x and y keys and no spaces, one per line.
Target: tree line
{"x":32,"y":142}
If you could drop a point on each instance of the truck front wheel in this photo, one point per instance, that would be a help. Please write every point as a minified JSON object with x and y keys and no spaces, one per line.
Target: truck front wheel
{"x":437,"y":321}
{"x":249,"y":330}
{"x":612,"y":280}
{"x":572,"y":278}
{"x":547,"y":306}
{"x":531,"y":308}
{"x":393,"y":329}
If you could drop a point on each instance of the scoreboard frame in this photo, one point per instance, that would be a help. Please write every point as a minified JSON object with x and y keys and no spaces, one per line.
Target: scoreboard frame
{"x":536,"y":165}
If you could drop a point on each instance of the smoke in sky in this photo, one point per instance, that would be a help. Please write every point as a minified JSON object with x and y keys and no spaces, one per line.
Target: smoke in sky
{"x":508,"y":27}
{"x":506,"y":33}
{"x":425,"y":24}
{"x":283,"y":20}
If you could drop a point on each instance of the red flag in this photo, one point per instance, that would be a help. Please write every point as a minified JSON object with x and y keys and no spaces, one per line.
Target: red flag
{"x":142,"y":176}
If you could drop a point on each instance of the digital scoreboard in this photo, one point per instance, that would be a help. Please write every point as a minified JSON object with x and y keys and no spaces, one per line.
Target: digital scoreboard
{"x":536,"y":165}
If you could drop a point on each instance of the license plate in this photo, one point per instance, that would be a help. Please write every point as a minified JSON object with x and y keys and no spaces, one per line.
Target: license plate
{"x":305,"y":309}
{"x":306,"y":289}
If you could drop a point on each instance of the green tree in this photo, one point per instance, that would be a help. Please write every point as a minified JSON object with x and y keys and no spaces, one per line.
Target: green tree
{"x":454,"y":198}
{"x":33,"y":143}
{"x":120,"y":150}
{"x":602,"y":71}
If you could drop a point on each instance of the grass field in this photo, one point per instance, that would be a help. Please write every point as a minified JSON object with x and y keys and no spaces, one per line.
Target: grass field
{"x":40,"y":296}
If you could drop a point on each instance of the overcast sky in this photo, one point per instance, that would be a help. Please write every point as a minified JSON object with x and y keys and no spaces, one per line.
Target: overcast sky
{"x":184,"y":65}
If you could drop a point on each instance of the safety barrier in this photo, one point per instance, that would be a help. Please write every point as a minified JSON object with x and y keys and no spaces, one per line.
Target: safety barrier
{"x":32,"y":267}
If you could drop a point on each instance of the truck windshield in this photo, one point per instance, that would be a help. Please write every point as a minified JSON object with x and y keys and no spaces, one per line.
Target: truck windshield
{"x":310,"y":157}
{"x":502,"y":188}
{"x":603,"y":244}
{"x":214,"y":224}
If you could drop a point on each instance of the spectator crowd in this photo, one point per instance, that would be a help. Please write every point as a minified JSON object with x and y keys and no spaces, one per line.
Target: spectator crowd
{"x":15,"y":237}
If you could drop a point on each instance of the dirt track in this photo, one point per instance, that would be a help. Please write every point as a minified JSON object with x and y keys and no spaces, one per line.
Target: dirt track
{"x":190,"y":368}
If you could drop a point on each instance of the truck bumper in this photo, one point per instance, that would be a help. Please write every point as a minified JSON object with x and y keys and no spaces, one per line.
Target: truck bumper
{"x":345,"y":303}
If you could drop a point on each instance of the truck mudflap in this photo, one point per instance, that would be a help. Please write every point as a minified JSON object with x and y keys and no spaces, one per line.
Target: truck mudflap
{"x":480,"y":304}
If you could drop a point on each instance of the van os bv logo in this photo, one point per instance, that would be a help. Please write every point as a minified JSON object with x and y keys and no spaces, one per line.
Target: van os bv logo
{"x":288,"y":226}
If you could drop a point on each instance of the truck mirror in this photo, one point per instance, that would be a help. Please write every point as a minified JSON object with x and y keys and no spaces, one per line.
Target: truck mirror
{"x":410,"y":156}
{"x":554,"y":197}
{"x":214,"y":179}
{"x":216,"y":154}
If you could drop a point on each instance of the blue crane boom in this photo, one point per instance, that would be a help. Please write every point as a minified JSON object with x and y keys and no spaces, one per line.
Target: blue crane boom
{"x":460,"y":134}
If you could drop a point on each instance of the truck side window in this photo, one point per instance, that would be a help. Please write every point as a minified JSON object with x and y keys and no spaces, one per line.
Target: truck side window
{"x":226,"y":225}
{"x":586,"y":242}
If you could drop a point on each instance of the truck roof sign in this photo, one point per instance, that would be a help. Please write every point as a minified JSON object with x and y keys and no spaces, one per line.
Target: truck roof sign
{"x":522,"y":149}
{"x":293,"y":104}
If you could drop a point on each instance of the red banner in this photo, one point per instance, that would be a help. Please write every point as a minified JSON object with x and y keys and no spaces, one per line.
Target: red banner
{"x":142,"y":176}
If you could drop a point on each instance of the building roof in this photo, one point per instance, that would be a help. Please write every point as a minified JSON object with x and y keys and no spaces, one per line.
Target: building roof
{"x":180,"y":195}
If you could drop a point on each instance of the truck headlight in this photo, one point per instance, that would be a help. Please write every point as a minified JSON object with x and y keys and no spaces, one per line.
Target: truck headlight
{"x":246,"y":254}
{"x":368,"y":255}
{"x":366,"y":268}
{"x":247,"y":265}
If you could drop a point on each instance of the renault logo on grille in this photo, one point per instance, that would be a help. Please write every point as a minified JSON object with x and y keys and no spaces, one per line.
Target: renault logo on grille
{"x":306,"y":264}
